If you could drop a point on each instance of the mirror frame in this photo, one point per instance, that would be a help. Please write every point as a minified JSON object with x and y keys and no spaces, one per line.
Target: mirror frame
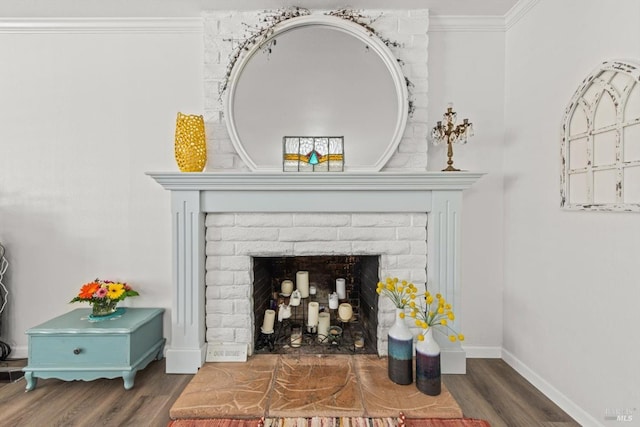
{"x":371,"y":40}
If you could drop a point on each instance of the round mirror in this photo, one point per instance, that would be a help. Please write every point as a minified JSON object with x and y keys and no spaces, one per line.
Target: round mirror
{"x":317,"y":76}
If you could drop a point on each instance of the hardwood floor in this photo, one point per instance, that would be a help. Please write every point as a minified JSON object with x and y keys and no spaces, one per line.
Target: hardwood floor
{"x":491,"y":390}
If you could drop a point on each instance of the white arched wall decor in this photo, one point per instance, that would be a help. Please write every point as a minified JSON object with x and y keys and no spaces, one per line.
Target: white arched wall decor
{"x":600,"y":154}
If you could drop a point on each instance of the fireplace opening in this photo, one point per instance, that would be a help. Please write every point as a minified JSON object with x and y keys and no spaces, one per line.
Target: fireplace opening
{"x":337,"y":312}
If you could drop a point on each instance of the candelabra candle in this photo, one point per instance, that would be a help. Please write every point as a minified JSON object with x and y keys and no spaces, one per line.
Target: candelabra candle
{"x":286,"y":287}
{"x":449,"y":133}
{"x":333,"y":301}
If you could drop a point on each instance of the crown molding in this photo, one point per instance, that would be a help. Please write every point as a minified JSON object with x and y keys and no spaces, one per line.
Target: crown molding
{"x":466,"y":23}
{"x":518,"y":11}
{"x":100,"y":25}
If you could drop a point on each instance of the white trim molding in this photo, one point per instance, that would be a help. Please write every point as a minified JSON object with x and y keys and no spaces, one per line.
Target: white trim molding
{"x":518,"y":11}
{"x":99,"y":25}
{"x":566,"y":404}
{"x":466,"y":23}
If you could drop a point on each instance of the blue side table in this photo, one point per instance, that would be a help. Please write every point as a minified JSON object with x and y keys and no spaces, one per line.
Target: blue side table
{"x":72,"y":347}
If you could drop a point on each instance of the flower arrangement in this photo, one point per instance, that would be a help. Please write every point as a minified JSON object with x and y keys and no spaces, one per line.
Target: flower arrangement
{"x":104,"y":295}
{"x":401,"y":294}
{"x":428,"y":315}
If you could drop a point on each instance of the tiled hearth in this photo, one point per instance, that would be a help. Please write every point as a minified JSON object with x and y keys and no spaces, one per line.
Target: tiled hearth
{"x":195,"y":195}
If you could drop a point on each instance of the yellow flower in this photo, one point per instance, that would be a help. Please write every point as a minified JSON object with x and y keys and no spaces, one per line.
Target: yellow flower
{"x":429,"y":299}
{"x":440,"y":310}
{"x":448,"y":306}
{"x":420,"y":337}
{"x":115,"y":290}
{"x":439,"y":296}
{"x":379,"y":291}
{"x":401,"y":314}
{"x":443,"y":321}
{"x":450,"y":315}
{"x":452,"y":338}
{"x":461,"y":337}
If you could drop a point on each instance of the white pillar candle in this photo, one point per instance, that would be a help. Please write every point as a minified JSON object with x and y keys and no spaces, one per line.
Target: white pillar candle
{"x":286,"y":287}
{"x":314,"y":308}
{"x":345,"y":312}
{"x":269,"y":319}
{"x":341,"y":288}
{"x":312,"y":290}
{"x":333,"y":301}
{"x":324,"y":321}
{"x":302,"y":283}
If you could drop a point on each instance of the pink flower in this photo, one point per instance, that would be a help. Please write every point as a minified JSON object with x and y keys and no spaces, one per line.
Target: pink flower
{"x":102,"y":292}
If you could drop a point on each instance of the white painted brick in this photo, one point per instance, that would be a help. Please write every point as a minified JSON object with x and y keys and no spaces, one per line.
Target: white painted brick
{"x":235,"y":292}
{"x":218,"y":277}
{"x":220,"y":248}
{"x":212,"y":292}
{"x":321,"y":220}
{"x":411,"y":261}
{"x":413,"y":25}
{"x":371,"y":233}
{"x":265,"y":220}
{"x":375,"y":248}
{"x":221,"y":161}
{"x":419,"y":247}
{"x":243,"y":277}
{"x":418,"y":276}
{"x":218,"y":307}
{"x":398,"y":161}
{"x":220,"y":220}
{"x":412,"y":146}
{"x":264,"y":248}
{"x":235,"y":321}
{"x":250,"y":234}
{"x":322,"y":248}
{"x":241,"y":307}
{"x":233,"y":263}
{"x":411,"y":233}
{"x":305,"y":234}
{"x":213,"y":234}
{"x":419,"y":219}
{"x":381,"y":220}
{"x":216,"y":334}
{"x":243,"y":335}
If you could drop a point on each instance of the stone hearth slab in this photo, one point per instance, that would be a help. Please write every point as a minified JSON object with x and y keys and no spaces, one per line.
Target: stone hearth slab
{"x":306,"y":386}
{"x":382,"y":397}
{"x":237,"y":390}
{"x":322,"y":386}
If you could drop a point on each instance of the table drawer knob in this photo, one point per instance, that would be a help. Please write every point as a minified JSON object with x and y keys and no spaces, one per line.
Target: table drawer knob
{"x":77,"y":351}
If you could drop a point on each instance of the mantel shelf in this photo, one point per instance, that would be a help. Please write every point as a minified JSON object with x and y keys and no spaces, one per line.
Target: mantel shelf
{"x":377,"y":181}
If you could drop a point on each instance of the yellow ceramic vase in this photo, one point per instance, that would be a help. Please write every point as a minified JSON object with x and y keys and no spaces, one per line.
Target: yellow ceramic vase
{"x":191,"y":144}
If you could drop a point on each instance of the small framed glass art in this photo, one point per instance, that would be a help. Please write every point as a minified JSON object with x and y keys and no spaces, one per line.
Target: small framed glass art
{"x":313,"y":153}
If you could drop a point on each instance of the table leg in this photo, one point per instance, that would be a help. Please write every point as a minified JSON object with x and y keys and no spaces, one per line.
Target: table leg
{"x":31,"y":381}
{"x":128,"y":377}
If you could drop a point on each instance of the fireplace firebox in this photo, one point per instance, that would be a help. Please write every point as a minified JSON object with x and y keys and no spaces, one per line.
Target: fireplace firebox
{"x":334,"y":335}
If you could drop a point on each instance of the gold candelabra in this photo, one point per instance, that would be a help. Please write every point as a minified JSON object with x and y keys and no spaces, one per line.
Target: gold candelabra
{"x":450,"y":133}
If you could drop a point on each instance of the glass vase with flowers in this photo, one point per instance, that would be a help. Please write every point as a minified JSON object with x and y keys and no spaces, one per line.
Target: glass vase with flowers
{"x":104,"y":296}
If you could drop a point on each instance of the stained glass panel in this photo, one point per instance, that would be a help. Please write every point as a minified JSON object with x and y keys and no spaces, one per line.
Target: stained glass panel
{"x":313,"y":153}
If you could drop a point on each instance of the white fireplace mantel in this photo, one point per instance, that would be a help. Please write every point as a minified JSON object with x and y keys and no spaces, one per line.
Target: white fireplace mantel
{"x":195,"y":194}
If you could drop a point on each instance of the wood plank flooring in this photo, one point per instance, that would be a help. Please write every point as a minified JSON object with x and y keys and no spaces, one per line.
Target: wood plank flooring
{"x":491,"y":390}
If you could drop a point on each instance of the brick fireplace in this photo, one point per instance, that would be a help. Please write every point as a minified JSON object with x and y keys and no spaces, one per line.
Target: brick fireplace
{"x":411,"y":219}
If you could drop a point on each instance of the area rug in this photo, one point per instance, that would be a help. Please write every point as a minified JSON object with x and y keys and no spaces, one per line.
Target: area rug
{"x":333,"y":422}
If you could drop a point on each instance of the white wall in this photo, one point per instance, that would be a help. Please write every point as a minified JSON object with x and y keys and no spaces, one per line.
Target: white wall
{"x":466,"y":67}
{"x":83,"y":116}
{"x":571,"y":278}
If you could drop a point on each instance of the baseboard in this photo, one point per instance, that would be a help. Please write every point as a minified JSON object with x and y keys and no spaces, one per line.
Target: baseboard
{"x":20,"y":352}
{"x":566,"y":404}
{"x":483,"y":352}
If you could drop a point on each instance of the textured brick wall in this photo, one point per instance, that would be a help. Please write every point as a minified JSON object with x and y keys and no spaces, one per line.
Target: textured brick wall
{"x":233,"y":239}
{"x":408,"y":27}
